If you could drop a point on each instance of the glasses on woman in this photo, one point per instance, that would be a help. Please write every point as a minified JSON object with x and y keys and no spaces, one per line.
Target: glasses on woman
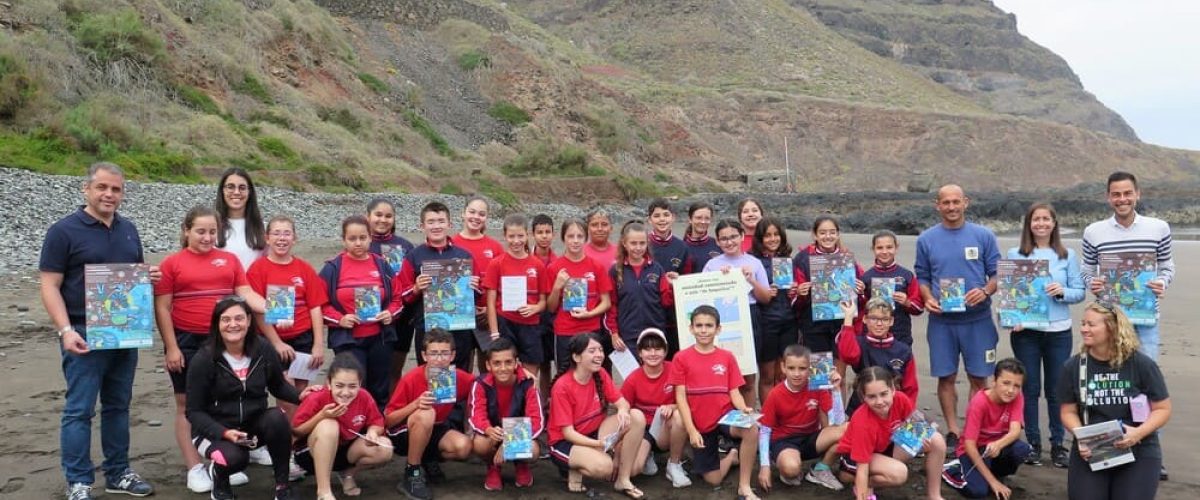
{"x":237,"y":188}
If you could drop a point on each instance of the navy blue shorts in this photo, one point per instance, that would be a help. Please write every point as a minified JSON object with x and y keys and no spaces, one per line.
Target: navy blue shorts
{"x":400,"y":442}
{"x":975,"y":341}
{"x":301,"y":343}
{"x":560,"y":452}
{"x":527,"y":338}
{"x":189,"y":343}
{"x":709,"y":458}
{"x":341,"y":459}
{"x":849,"y":466}
{"x":806,"y":444}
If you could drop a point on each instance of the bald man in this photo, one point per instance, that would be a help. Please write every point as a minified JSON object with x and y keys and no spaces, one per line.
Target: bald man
{"x":951,"y":251}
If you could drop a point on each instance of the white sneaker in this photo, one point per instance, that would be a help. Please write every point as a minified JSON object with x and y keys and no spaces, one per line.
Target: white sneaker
{"x":795,"y":481}
{"x":239,"y":479}
{"x":260,"y":456}
{"x":679,"y":477}
{"x":295,"y":472}
{"x":650,"y":468}
{"x":198,"y":479}
{"x":824,"y":478}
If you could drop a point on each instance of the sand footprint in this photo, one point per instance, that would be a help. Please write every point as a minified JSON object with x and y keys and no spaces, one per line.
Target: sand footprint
{"x":13,"y":485}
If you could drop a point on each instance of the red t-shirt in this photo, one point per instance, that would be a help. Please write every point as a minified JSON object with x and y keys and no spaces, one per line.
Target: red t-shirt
{"x":708,"y":378}
{"x":360,"y":414}
{"x":357,"y":273}
{"x":310,"y":289}
{"x":482,"y":251}
{"x":414,"y":383}
{"x":578,"y":404}
{"x":790,"y":413}
{"x":988,"y":421}
{"x":196,"y":282}
{"x":598,"y":283}
{"x":548,"y":258}
{"x":647,"y":394}
{"x":535,"y":283}
{"x":605,"y":258}
{"x":867,"y":434}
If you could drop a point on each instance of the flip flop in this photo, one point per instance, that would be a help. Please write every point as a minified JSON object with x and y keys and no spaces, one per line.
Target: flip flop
{"x":751,"y":496}
{"x":349,"y":485}
{"x":634,"y":493}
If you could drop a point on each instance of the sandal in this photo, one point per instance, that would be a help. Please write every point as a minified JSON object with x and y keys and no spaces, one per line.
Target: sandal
{"x":634,"y":493}
{"x":578,"y":488}
{"x":349,"y":485}
{"x":751,"y":496}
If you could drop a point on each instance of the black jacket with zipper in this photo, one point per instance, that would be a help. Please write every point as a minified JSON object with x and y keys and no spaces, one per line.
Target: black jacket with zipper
{"x":217,"y":400}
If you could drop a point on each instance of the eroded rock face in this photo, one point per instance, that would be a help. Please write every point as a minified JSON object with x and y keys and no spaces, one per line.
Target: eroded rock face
{"x":974,"y":48}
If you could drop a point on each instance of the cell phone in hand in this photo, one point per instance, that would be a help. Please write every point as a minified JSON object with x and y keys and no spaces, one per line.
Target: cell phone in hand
{"x":248,"y":441}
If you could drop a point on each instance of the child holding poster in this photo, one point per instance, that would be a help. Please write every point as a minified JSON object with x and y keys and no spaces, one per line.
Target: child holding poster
{"x":348,"y":276}
{"x":381,"y":215}
{"x":597,"y":287}
{"x":905,"y":293}
{"x":729,"y":238}
{"x":516,"y":295}
{"x":642,"y":289}
{"x":776,"y":317}
{"x":505,"y":392}
{"x":707,"y":382}
{"x":827,"y":240}
{"x":878,"y":347}
{"x":647,"y":390}
{"x":796,"y":423}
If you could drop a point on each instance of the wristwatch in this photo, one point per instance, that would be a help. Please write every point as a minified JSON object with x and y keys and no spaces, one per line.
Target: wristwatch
{"x":62,"y":331}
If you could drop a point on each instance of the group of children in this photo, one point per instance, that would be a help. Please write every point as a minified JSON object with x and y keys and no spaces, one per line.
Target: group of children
{"x":676,"y":399}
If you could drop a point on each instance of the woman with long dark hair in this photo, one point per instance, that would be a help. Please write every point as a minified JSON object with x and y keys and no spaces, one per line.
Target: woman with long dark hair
{"x":241,"y":222}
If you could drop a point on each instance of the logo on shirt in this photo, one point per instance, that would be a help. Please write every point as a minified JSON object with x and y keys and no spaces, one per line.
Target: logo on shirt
{"x":676,"y":261}
{"x":590,"y":276}
{"x":531,"y":272}
{"x":668,"y":388}
{"x":374,"y":274}
{"x":487,"y":252}
{"x":719,"y":369}
{"x":359,"y":420}
{"x":896,"y":364}
{"x":652,"y":278}
{"x":812,"y":404}
{"x":218,"y":262}
{"x":713,"y":254}
{"x":297,"y":281}
{"x":1005,"y":417}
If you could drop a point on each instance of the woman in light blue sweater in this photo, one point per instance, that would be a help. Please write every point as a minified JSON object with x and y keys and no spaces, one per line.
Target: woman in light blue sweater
{"x":1044,"y":350}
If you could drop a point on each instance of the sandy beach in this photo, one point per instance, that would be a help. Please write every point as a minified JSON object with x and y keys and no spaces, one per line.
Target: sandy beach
{"x":31,"y":399}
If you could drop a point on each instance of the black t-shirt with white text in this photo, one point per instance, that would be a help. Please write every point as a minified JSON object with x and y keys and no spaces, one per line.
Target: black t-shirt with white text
{"x":1109,"y":391}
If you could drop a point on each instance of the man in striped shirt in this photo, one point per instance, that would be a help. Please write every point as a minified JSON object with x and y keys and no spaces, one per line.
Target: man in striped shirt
{"x":1127,"y":231}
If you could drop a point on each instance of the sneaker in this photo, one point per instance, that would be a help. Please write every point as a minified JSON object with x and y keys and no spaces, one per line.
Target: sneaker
{"x":283,"y":492}
{"x":951,"y":442}
{"x":724,"y":445}
{"x":79,"y":491}
{"x":1060,"y":457}
{"x":1035,"y":456}
{"x":650,"y":468}
{"x":130,"y":483}
{"x":295,"y":472}
{"x":791,"y":481}
{"x":217,"y":494}
{"x":493,"y":482}
{"x":239,"y":479}
{"x":1162,"y":474}
{"x":219,"y":491}
{"x":260,"y":456}
{"x":524,"y":475}
{"x":413,"y":485}
{"x":198,"y":480}
{"x":679,"y":477}
{"x":952,"y":475}
{"x":433,"y":473}
{"x":823,"y":477}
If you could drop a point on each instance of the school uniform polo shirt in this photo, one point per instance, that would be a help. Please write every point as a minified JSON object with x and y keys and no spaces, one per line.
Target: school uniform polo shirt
{"x":79,"y":239}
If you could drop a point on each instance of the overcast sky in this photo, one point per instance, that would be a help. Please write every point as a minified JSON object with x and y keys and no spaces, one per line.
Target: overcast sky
{"x":1139,"y":57}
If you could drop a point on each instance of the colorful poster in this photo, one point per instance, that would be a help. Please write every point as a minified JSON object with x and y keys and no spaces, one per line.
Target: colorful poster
{"x":728,"y":293}
{"x":1125,"y":277}
{"x":1101,"y":439}
{"x":1021,"y":293}
{"x":911,"y":434}
{"x":449,"y":301}
{"x":782,"y":273}
{"x":820,"y":371}
{"x":518,"y":438}
{"x":884,"y":288}
{"x":442,"y":383}
{"x":739,"y":419}
{"x":281,"y":304}
{"x":952,"y":294}
{"x":366,"y":302}
{"x":394,"y":255}
{"x":832,"y":280}
{"x":574,"y":295}
{"x":119,"y":306}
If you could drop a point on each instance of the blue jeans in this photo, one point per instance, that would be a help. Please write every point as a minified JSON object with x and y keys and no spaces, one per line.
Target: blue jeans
{"x":106,"y":374}
{"x":1005,"y":464}
{"x":1148,"y":337}
{"x":1043,"y":354}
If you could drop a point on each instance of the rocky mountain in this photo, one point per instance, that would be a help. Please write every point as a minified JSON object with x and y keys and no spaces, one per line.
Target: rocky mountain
{"x":555,"y":100}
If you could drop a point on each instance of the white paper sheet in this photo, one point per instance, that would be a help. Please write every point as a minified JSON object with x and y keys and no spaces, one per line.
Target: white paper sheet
{"x":624,"y":361}
{"x":299,"y":368}
{"x":513,"y":292}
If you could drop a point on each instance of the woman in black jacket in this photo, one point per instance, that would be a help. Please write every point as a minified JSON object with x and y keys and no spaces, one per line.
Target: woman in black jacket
{"x":228,"y":383}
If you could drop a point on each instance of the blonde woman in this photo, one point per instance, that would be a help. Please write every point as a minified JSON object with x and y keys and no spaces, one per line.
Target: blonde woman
{"x":1113,"y":376}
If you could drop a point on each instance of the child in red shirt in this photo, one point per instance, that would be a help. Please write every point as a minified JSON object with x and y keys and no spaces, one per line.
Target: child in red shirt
{"x":421,"y":428}
{"x":581,"y":435}
{"x":991,"y":447}
{"x":506,"y":391}
{"x":707,"y":382}
{"x":647,"y":390}
{"x":868,"y":458}
{"x":483,"y":250}
{"x":339,"y":428}
{"x":522,"y":325}
{"x":574,"y":264}
{"x":796,"y":422}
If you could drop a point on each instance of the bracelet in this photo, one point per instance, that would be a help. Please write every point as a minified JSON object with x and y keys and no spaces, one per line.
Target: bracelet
{"x":63,"y":331}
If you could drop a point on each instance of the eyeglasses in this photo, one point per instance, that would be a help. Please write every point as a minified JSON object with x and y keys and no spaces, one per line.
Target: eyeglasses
{"x":282,"y":234}
{"x":239,"y":188}
{"x":878,"y":320}
{"x":439,"y":355}
{"x":727,"y":239}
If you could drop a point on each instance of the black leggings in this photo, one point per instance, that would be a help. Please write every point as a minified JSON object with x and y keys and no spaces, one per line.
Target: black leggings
{"x":1138,"y":479}
{"x":272,"y":429}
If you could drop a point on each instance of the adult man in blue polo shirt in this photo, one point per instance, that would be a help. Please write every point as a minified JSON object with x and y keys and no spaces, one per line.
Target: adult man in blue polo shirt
{"x":957,"y":249}
{"x":94,"y":234}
